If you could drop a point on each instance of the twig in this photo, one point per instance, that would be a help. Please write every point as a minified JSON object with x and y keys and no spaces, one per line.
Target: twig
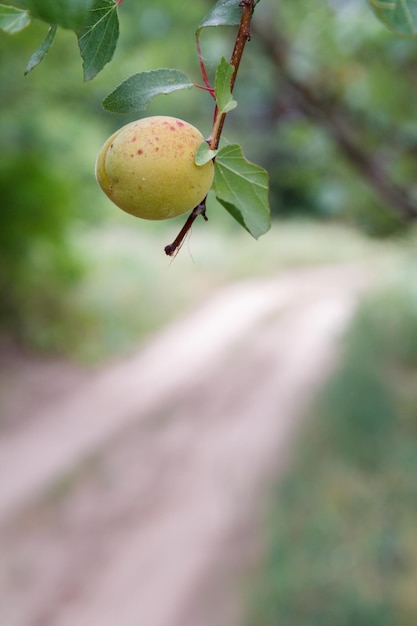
{"x":242,"y":37}
{"x":174,"y":247}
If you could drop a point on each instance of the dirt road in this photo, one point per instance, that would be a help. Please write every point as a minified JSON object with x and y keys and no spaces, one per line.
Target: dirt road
{"x":132,"y":500}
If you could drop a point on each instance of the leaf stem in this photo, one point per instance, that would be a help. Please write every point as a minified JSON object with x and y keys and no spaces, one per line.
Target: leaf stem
{"x":203,"y":68}
{"x":242,"y":37}
{"x":209,"y":89}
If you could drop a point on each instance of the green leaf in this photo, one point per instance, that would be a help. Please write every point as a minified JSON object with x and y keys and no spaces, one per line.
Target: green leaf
{"x":399,"y":15}
{"x":70,"y":14}
{"x":21,"y":4}
{"x":12,"y":19}
{"x":222,"y":86}
{"x":135,"y":93}
{"x":224,"y":13}
{"x":203,"y":154}
{"x":43,"y":49}
{"x":242,"y":188}
{"x":98,"y":39}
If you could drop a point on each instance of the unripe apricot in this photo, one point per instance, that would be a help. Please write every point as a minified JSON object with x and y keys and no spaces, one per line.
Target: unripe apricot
{"x":147,"y":168}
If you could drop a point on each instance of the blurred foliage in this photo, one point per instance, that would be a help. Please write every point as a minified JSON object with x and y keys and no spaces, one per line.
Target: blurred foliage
{"x":341,"y":536}
{"x":42,"y":186}
{"x":364,"y":75}
{"x":52,"y":126}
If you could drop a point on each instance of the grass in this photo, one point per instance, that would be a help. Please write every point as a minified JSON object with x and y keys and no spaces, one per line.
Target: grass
{"x":130,"y":289}
{"x":341,"y":544}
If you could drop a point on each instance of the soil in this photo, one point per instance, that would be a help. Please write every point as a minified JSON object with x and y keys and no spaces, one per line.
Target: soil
{"x":134,"y":494}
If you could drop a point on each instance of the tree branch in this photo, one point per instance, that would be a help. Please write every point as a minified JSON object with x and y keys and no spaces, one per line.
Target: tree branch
{"x":331,"y":116}
{"x":242,"y":37}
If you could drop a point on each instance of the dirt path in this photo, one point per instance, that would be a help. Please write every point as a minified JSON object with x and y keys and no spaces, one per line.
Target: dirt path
{"x":129,"y":502}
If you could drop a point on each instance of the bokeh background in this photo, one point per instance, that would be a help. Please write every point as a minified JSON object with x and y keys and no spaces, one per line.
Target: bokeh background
{"x":327,"y":105}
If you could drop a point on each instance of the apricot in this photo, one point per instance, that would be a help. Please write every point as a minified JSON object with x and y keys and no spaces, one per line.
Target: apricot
{"x":147,"y":168}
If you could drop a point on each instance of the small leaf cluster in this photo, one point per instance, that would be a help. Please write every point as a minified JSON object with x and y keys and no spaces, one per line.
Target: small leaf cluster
{"x":94,"y":22}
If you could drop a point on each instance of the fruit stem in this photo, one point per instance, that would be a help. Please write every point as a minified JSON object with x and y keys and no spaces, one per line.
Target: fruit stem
{"x":174,"y":247}
{"x":242,"y":37}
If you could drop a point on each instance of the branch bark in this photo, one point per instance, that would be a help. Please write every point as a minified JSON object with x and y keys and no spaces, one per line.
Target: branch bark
{"x":331,"y":116}
{"x":242,"y":37}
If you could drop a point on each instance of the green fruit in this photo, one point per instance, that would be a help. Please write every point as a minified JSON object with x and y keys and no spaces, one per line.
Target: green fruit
{"x":147,"y":168}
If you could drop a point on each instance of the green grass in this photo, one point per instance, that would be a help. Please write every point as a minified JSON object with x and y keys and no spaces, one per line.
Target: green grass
{"x":130,"y":289}
{"x":340,"y":547}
